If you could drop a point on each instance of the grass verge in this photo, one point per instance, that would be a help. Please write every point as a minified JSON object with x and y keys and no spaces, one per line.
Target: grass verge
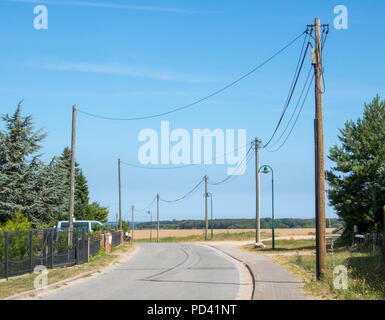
{"x":365,"y":271}
{"x":26,"y":283}
{"x":366,"y":275}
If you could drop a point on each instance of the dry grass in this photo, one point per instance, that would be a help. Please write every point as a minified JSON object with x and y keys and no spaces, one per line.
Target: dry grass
{"x":26,"y":283}
{"x":180,"y":233}
{"x":366,"y":275}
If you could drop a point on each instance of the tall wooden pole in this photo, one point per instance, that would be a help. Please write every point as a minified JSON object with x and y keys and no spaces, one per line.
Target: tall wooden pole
{"x":120,"y":197}
{"x":206,"y":212}
{"x":157,"y":215}
{"x":319,"y":150}
{"x":257,"y":219}
{"x":133,"y":226}
{"x":72,"y":174}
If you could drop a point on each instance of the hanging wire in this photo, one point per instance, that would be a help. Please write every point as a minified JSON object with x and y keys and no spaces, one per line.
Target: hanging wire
{"x":183,"y":166}
{"x":294,"y":111}
{"x":201,"y":99}
{"x":246,"y":158}
{"x":290,"y":97}
{"x":295,"y":122}
{"x":185,"y":196}
{"x":146,"y":207}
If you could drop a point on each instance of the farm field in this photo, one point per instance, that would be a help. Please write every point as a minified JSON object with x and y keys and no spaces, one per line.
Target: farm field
{"x":265,"y":233}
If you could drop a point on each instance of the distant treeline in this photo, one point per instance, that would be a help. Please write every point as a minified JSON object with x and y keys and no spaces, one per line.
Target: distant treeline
{"x":285,"y":223}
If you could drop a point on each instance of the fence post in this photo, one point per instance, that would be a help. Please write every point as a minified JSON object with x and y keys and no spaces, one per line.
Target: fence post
{"x":85,"y":245}
{"x":77,"y":246}
{"x":6,"y":255}
{"x":30,"y":250}
{"x":45,"y":247}
{"x":50,"y":248}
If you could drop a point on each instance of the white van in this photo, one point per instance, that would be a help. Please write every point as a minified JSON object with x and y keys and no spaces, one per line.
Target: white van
{"x":80,"y":224}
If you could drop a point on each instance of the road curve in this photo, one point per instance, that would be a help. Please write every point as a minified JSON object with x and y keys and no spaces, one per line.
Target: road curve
{"x":173,"y":271}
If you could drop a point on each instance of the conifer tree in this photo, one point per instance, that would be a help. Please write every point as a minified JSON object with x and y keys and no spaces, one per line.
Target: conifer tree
{"x":358,"y":158}
{"x":19,"y":146}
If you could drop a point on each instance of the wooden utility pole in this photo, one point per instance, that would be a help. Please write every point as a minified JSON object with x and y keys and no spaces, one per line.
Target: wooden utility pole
{"x":72,"y":177}
{"x":319,"y":158}
{"x":257,"y":220}
{"x":133,"y":226}
{"x":206,"y":214}
{"x":157,"y":215}
{"x":120,"y":197}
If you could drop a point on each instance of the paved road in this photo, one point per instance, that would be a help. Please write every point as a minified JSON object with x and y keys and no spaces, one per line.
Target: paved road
{"x":161,"y":271}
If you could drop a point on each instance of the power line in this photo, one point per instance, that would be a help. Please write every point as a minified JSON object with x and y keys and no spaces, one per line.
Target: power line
{"x":287,"y":137}
{"x":183,"y":166}
{"x":146,"y":207}
{"x":295,"y":109}
{"x":289,"y":100}
{"x":298,"y":64}
{"x":246,"y":158}
{"x":201,"y":99}
{"x":323,"y":40}
{"x":232,"y":177}
{"x":185,"y":196}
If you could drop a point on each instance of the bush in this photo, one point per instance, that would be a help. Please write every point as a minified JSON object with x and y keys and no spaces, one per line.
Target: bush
{"x":18,"y":236}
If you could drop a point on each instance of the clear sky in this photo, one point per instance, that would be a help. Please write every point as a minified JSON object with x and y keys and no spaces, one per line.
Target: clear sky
{"x":131,"y":58}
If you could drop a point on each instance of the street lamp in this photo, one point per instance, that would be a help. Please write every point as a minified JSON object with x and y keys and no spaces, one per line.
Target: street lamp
{"x":266,"y":171}
{"x":208,"y":194}
{"x":149,"y":212}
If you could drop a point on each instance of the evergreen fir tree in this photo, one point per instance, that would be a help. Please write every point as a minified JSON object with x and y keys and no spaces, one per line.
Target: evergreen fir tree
{"x":19,"y":144}
{"x":81,"y":195}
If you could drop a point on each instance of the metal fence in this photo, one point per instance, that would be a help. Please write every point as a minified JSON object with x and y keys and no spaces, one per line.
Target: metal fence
{"x":94,"y":246}
{"x":374,"y":242}
{"x":116,"y":238}
{"x":22,"y":250}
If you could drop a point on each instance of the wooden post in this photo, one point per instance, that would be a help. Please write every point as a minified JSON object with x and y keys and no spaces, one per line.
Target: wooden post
{"x":157,"y":213}
{"x":319,"y":150}
{"x":120,"y":198}
{"x":72,"y":177}
{"x":206,"y":212}
{"x":257,"y":216}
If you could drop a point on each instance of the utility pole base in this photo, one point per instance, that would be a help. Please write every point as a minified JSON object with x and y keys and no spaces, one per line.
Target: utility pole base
{"x":259,"y":245}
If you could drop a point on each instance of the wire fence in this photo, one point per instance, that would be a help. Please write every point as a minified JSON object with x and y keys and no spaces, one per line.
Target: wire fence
{"x":374,"y":242}
{"x":22,"y":250}
{"x":116,"y":238}
{"x":94,"y":246}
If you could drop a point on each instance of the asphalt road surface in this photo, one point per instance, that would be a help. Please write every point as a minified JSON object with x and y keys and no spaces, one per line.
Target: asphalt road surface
{"x":161,"y":271}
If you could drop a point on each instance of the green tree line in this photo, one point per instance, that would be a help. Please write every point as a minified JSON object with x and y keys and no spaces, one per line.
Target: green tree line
{"x":38,"y":190}
{"x":265,"y":223}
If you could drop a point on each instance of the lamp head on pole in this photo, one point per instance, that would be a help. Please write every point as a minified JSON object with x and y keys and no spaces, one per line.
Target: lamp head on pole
{"x":265,"y":170}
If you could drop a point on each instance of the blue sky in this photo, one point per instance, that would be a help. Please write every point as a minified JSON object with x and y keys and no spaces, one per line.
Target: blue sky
{"x":133,"y":58}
